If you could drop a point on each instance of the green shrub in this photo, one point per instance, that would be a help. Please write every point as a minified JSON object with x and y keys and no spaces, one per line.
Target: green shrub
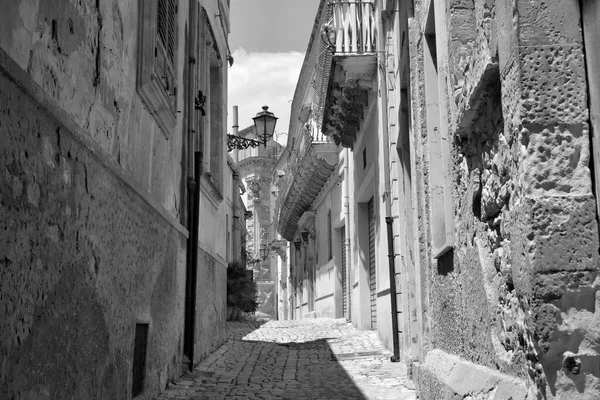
{"x":241,"y":288}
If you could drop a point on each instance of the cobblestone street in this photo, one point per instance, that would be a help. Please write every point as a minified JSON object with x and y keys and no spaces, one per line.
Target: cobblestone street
{"x":308,"y":359}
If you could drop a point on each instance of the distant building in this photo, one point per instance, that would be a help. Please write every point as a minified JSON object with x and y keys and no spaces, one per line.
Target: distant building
{"x":256,"y":167}
{"x":441,"y":161}
{"x":112,"y":166}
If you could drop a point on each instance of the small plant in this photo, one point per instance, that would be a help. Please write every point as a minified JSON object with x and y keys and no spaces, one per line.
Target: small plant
{"x":241,"y":288}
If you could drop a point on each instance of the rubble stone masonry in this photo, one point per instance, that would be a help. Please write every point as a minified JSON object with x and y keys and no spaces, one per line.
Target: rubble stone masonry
{"x":91,"y":241}
{"x":83,"y":259}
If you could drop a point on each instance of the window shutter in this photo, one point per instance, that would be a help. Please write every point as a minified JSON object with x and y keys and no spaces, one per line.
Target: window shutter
{"x":167,"y":10}
{"x":166,"y":46}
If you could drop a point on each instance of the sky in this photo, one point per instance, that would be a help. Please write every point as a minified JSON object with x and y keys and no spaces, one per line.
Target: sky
{"x":268,"y":41}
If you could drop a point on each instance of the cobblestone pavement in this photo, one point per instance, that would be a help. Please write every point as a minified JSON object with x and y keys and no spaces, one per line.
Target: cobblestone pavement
{"x":309,"y":359}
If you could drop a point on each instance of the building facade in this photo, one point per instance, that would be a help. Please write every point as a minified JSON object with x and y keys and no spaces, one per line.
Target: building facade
{"x":112,"y":160}
{"x":461,"y":193}
{"x":256,"y":172}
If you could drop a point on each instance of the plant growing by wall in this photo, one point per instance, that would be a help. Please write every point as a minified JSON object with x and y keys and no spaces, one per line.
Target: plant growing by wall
{"x":241,"y":288}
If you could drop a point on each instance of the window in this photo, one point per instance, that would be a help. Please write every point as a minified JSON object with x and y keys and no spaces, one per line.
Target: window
{"x":157,"y":72}
{"x":211,"y":80}
{"x":216,"y":125}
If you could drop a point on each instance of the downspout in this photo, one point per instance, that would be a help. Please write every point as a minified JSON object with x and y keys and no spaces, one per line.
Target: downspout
{"x":198,"y":160}
{"x":389,"y":220}
{"x":349,"y":277}
{"x":192,"y":190}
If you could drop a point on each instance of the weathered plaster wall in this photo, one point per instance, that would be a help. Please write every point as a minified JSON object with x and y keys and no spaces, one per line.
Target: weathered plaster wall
{"x":211,"y":303}
{"x":325,"y":285}
{"x":328,"y":270}
{"x":84,"y":258}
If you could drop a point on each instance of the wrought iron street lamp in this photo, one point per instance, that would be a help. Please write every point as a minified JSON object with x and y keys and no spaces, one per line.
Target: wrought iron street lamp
{"x":264,"y":122}
{"x":297,"y":243}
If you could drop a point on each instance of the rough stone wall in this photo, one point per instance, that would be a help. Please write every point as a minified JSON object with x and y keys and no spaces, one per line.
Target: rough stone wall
{"x":521,"y":297}
{"x":83,"y":54}
{"x":553,"y":217}
{"x":83,"y":259}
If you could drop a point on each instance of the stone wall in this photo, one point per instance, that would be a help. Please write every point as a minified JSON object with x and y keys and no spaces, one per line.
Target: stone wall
{"x":92,"y":202}
{"x":83,"y":55}
{"x":518,"y":294}
{"x":83,"y":259}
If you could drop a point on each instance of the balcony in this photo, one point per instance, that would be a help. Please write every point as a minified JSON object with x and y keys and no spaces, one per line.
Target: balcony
{"x":312,"y":159}
{"x":352,"y":36}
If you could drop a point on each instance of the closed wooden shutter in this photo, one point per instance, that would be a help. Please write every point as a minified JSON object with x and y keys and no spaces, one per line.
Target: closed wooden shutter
{"x":166,"y":26}
{"x":166,"y":43}
{"x":372,"y":269}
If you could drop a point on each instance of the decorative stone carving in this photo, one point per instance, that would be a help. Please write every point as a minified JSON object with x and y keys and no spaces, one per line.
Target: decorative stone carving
{"x":253,"y":187}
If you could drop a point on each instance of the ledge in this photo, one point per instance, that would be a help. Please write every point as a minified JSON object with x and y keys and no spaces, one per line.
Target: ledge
{"x":452,"y":375}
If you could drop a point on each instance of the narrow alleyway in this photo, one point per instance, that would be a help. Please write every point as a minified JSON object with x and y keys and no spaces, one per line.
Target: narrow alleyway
{"x":308,"y":359}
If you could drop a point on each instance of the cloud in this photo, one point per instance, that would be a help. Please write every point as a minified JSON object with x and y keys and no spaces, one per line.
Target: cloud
{"x":258,"y":79}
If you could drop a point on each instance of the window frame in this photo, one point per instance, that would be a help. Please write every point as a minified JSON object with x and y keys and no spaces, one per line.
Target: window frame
{"x":160,"y":98}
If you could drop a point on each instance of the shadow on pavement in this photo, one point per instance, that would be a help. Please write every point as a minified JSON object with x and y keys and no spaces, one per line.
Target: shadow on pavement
{"x":258,"y":369}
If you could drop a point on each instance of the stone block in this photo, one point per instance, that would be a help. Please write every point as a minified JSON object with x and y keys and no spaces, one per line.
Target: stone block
{"x":555,"y":160}
{"x":554,"y":234}
{"x":553,"y":84}
{"x":445,"y":375}
{"x":548,"y":22}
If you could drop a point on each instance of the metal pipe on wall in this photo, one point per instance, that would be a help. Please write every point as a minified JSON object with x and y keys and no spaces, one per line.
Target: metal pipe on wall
{"x":192,"y":191}
{"x":389,"y":219}
{"x":349,"y":276}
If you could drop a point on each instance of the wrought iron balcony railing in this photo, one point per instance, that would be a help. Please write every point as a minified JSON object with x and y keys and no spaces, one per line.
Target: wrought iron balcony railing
{"x":354,"y":27}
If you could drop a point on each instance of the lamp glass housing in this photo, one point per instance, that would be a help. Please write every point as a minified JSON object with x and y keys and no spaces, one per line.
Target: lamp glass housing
{"x":305,"y":236}
{"x":264,"y":122}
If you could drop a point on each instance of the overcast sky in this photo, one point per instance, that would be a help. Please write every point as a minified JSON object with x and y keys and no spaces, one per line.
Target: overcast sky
{"x":268,"y":39}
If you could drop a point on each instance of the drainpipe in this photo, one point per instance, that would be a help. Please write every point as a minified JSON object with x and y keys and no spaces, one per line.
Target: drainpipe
{"x":390,"y":236}
{"x":349,"y":277}
{"x":198,"y":160}
{"x":389,"y":220}
{"x":193,"y":171}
